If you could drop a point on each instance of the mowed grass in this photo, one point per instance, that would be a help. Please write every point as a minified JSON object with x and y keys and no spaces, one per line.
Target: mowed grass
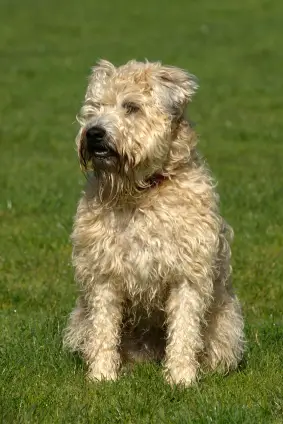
{"x":46,"y":50}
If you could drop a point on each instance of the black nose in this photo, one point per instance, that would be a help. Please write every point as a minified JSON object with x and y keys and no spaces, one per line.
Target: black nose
{"x":95,"y":134}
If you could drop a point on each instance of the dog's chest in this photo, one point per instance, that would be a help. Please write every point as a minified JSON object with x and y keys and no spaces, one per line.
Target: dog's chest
{"x":146,"y":246}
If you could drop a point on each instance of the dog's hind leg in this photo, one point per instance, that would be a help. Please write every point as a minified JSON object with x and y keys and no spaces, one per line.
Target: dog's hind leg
{"x":78,"y":328}
{"x":223,"y":334}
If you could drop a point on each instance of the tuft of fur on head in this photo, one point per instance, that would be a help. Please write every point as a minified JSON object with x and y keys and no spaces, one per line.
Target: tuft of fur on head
{"x":141,"y":107}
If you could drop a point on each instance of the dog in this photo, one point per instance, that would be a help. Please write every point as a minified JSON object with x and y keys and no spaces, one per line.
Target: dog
{"x":151,"y":251}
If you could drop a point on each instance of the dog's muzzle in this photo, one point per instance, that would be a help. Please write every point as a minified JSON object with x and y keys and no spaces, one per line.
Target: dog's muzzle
{"x":98,"y":144}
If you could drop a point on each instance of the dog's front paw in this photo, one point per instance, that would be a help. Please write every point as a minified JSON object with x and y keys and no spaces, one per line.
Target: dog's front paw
{"x":105,"y":368}
{"x":96,"y":373}
{"x":182,"y":375}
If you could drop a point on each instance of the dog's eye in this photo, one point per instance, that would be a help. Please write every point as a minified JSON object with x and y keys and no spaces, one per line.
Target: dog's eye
{"x":130,"y":107}
{"x":96,"y":105}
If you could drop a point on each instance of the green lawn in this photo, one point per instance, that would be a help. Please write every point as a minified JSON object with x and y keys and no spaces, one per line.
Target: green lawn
{"x":46,"y":50}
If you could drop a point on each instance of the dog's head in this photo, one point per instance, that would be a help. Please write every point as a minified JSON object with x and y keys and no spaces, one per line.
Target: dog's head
{"x":130,"y":117}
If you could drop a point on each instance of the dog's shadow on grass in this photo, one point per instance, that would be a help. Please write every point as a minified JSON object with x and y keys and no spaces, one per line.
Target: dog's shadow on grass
{"x":243,"y":365}
{"x":75,"y":361}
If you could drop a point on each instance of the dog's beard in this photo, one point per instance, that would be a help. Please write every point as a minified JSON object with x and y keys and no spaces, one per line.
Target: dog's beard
{"x":112,"y":187}
{"x":111,"y":180}
{"x":115,"y":179}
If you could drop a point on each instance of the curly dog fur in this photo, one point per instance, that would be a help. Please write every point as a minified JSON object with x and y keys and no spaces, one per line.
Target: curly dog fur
{"x":150,"y":250}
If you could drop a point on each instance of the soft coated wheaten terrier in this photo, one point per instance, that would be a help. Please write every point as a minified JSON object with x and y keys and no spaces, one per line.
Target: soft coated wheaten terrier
{"x":150,"y":249}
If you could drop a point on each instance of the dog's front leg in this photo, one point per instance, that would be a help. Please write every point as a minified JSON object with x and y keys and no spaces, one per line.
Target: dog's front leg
{"x":185,"y":311}
{"x":105,"y":317}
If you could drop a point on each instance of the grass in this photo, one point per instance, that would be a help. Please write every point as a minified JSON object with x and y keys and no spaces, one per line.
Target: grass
{"x":46,"y":51}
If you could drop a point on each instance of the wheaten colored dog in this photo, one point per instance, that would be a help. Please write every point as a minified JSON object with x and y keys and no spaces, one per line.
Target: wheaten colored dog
{"x":150,"y":250}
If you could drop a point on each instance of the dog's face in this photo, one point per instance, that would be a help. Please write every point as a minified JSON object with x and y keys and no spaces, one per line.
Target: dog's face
{"x":129,"y":116}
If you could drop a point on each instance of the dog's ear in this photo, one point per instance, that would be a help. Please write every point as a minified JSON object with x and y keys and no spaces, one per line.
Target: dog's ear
{"x":176,"y":88}
{"x":103,"y":67}
{"x":99,"y":73}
